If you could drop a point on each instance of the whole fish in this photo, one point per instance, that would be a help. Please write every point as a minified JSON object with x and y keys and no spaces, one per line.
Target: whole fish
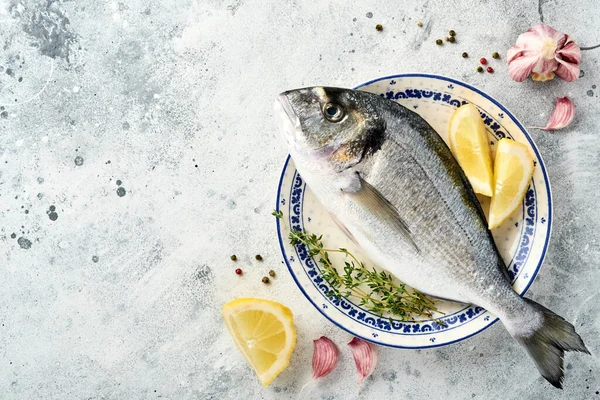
{"x":392,"y":184}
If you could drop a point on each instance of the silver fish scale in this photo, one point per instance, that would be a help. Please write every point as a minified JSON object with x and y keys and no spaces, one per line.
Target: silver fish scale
{"x":434,"y":219}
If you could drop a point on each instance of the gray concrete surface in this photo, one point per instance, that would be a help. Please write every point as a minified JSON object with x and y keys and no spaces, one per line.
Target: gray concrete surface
{"x":138,"y":150}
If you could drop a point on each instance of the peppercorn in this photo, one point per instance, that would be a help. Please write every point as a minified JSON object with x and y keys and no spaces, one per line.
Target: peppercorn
{"x":419,"y":24}
{"x":464,"y":54}
{"x":495,"y":55}
{"x":439,"y":42}
{"x":233,"y":257}
{"x":272,"y":273}
{"x":490,"y":70}
{"x":452,"y":39}
{"x":265,"y":279}
{"x":258,"y":257}
{"x":452,"y":33}
{"x":479,"y":68}
{"x":239,"y":271}
{"x":379,"y":27}
{"x":483,"y":60}
{"x":447,"y":39}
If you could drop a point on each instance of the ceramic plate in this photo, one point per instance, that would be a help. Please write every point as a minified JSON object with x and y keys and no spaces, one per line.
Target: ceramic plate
{"x":522,"y":240}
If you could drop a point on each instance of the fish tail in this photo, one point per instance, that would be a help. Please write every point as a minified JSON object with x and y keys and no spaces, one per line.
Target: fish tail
{"x":547,"y":340}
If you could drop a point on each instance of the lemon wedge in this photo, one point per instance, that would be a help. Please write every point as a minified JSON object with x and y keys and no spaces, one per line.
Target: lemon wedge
{"x":264,"y":332}
{"x":470,"y":145}
{"x":513,"y":170}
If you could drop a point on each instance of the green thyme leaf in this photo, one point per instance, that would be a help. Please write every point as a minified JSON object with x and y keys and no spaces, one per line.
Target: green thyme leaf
{"x":383,"y":296}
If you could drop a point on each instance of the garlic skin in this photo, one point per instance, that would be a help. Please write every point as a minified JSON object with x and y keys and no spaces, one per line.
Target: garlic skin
{"x":365,"y":357}
{"x":543,"y":52}
{"x":562,"y":116}
{"x":325,"y":357}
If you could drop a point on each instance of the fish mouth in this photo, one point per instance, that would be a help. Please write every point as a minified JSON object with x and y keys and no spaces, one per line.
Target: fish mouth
{"x":289,"y":123}
{"x":284,"y":101}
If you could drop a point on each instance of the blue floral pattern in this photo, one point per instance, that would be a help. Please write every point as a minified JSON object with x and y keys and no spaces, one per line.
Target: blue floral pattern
{"x":527,"y":235}
{"x":448,"y":98}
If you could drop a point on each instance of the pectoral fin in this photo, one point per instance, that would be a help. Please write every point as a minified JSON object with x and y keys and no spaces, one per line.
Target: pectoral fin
{"x":371,"y":198}
{"x":343,"y":228}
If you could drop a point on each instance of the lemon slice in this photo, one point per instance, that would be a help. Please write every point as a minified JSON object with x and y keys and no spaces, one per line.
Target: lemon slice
{"x":513,"y":170}
{"x":264,"y":332}
{"x":470,"y":145}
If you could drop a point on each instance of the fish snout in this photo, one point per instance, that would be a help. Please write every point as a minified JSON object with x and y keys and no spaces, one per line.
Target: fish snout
{"x":286,"y":106}
{"x":289,"y":122}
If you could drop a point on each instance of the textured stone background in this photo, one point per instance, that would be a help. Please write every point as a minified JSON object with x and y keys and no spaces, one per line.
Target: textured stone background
{"x":138,"y":150}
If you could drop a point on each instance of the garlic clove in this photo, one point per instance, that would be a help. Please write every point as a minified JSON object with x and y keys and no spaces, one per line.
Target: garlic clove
{"x":325,"y":357}
{"x":365,"y":357}
{"x":520,"y":67}
{"x":544,"y":31}
{"x":563,"y":114}
{"x":570,"y":51}
{"x":567,"y":71}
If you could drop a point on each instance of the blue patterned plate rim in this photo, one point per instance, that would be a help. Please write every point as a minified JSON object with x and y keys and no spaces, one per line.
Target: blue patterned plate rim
{"x":548,"y":193}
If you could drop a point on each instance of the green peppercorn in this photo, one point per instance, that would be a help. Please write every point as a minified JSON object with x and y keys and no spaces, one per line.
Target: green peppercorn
{"x":233,"y":257}
{"x":479,"y":68}
{"x":495,"y":55}
{"x":258,"y":257}
{"x":439,"y":42}
{"x":452,"y":33}
{"x":379,"y":27}
{"x":265,"y":279}
{"x":271,"y":273}
{"x":452,"y":39}
{"x":464,"y":54}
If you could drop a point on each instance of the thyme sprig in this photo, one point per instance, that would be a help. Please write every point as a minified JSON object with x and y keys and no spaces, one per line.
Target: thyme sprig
{"x":374,"y":290}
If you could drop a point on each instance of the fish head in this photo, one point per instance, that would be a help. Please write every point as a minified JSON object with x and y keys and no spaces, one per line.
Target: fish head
{"x":330,"y":129}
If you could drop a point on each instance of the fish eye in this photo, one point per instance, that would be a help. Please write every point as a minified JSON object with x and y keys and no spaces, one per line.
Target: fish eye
{"x":333,"y":112}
